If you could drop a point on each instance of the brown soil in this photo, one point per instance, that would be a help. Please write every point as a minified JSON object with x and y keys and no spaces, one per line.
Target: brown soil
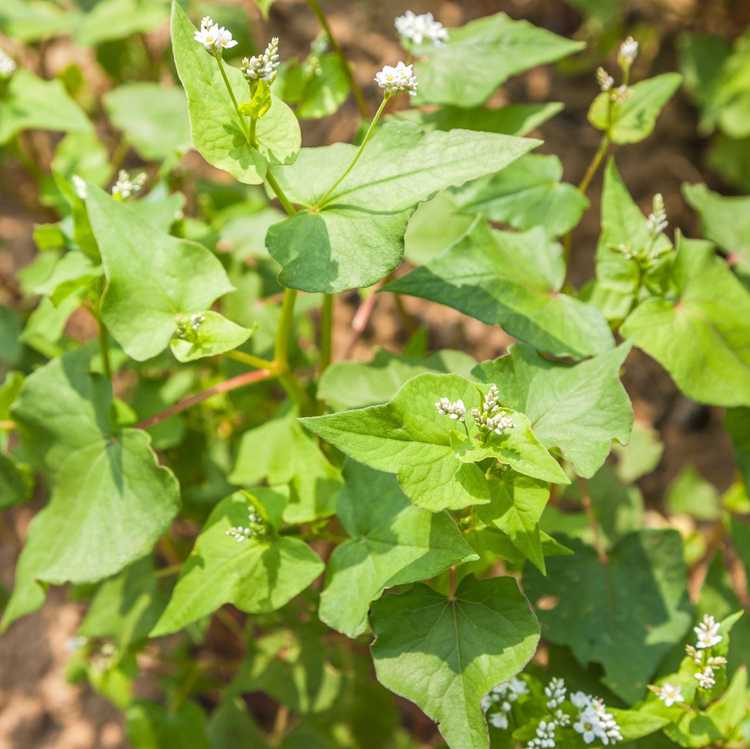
{"x":38,"y":708}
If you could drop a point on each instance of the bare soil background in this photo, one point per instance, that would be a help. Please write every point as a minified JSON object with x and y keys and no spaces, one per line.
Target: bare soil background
{"x":38,"y":708}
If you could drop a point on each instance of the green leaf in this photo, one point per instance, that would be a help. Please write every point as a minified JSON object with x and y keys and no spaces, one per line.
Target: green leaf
{"x":641,"y":455}
{"x":257,"y":575}
{"x":326,"y":89}
{"x":737,"y":422}
{"x":480,"y":56}
{"x":701,"y":334}
{"x":392,"y":543}
{"x":216,"y":129}
{"x":280,"y":452}
{"x":691,"y":494}
{"x":153,"y":279}
{"x":34,"y":21}
{"x":634,"y":119}
{"x":526,"y":194}
{"x":349,"y":384}
{"x":579,"y":409}
{"x":213,"y":335}
{"x":430,"y":454}
{"x":724,"y":220}
{"x":626,"y":613}
{"x":513,"y":119}
{"x":516,"y":509}
{"x":152,"y":726}
{"x":512,"y":280}
{"x":16,"y":482}
{"x":618,"y":277}
{"x":153,"y":118}
{"x":30,"y":103}
{"x":356,"y":237}
{"x":231,"y":725}
{"x":111,"y":500}
{"x":445,"y":654}
{"x":118,"y":19}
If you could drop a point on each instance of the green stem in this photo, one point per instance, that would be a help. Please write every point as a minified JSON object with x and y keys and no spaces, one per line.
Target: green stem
{"x":360,"y":151}
{"x":220,"y":63}
{"x":252,"y":361}
{"x":359,"y":97}
{"x":104,"y":350}
{"x":281,"y":356}
{"x":253,"y":136}
{"x":326,"y":332}
{"x":276,"y":187}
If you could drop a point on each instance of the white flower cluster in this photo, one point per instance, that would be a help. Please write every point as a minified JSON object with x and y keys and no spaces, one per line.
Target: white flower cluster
{"x":657,"y":220}
{"x":394,"y":80}
{"x":242,"y":533}
{"x":127,"y":186}
{"x":214,"y":37}
{"x":455,"y":410}
{"x":556,"y":692}
{"x":502,"y":698}
{"x":707,"y":634}
{"x":628,"y":52}
{"x":492,"y":417}
{"x":604,"y":79}
{"x":79,"y":185}
{"x":594,"y":722}
{"x":545,"y":736}
{"x":7,"y":65}
{"x":417,"y":28}
{"x":669,"y":694}
{"x":263,"y":67}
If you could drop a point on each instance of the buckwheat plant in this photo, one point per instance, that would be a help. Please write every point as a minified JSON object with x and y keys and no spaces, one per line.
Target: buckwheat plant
{"x":279,"y":535}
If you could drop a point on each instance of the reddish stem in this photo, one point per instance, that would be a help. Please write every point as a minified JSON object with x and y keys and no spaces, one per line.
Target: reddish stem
{"x":248,"y":378}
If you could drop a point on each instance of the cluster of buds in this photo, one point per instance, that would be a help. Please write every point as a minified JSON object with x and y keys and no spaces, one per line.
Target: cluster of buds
{"x":394,"y":80}
{"x":418,"y":28}
{"x":7,"y":66}
{"x":127,"y":186}
{"x":263,"y":67}
{"x":556,"y":692}
{"x":188,"y":327}
{"x":255,"y":528}
{"x":545,"y":736}
{"x":498,"y":703}
{"x":79,"y":185}
{"x":492,"y":417}
{"x":455,"y":410}
{"x":650,"y":252}
{"x":625,"y":58}
{"x":627,"y":53}
{"x":707,"y":637}
{"x":214,"y":37}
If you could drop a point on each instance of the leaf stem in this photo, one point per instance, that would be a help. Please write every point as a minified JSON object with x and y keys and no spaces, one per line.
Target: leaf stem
{"x":252,"y":361}
{"x":276,"y":187}
{"x":247,"y":378}
{"x":220,"y":63}
{"x":601,"y":551}
{"x":281,"y":355}
{"x":359,"y":96}
{"x":326,"y":333}
{"x":360,"y":151}
{"x":104,"y":349}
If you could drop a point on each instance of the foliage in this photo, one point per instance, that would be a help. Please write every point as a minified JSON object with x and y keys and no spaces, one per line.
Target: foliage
{"x":204,"y":470}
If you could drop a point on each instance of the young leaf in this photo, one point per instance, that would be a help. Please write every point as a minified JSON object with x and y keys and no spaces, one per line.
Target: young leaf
{"x":153,"y":279}
{"x":152,"y":726}
{"x":445,"y":654}
{"x":513,"y":280}
{"x":633,"y":119}
{"x":216,"y":128}
{"x":280,"y":452}
{"x":258,"y":574}
{"x":393,"y":543}
{"x":430,"y":454}
{"x":111,"y":501}
{"x":403,"y":165}
{"x":701,"y":334}
{"x":31,"y":103}
{"x":635,"y":608}
{"x":153,"y":118}
{"x":213,"y":334}
{"x":623,"y":225}
{"x":480,"y":56}
{"x":579,"y":409}
{"x":526,"y":194}
{"x":118,"y":19}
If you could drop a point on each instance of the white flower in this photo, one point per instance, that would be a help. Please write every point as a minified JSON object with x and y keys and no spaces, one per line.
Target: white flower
{"x":628,"y":52}
{"x":455,"y":411}
{"x":212,"y":36}
{"x":127,"y":186}
{"x":595,"y":723}
{"x":79,"y":185}
{"x":7,"y":65}
{"x":657,"y":220}
{"x":516,"y":688}
{"x":580,"y":700}
{"x":418,"y":28}
{"x":562,"y":718}
{"x":604,"y":79}
{"x":588,"y":725}
{"x":670,"y":695}
{"x":707,"y":632}
{"x":545,"y":736}
{"x":706,"y":678}
{"x":499,"y":720}
{"x":556,"y":692}
{"x":263,"y":67}
{"x":394,"y":80}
